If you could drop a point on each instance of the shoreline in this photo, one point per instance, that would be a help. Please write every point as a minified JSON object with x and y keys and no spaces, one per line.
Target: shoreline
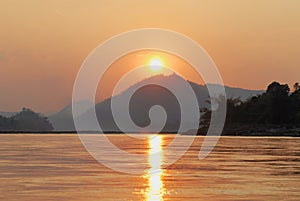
{"x":255,"y":130}
{"x":273,"y":134}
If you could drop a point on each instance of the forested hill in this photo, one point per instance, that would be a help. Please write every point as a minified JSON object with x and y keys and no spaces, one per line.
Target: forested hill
{"x":25,"y":121}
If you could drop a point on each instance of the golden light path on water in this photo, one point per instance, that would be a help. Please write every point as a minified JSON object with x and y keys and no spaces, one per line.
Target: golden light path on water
{"x":155,"y":190}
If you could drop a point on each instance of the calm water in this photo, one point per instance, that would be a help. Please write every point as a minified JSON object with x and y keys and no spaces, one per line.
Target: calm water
{"x":57,"y":167}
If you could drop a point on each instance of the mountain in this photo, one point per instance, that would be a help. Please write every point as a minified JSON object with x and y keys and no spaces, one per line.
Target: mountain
{"x":145,"y":94}
{"x":63,"y":120}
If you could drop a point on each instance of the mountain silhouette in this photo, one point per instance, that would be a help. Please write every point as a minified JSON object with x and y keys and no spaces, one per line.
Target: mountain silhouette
{"x":63,"y":120}
{"x":142,"y":96}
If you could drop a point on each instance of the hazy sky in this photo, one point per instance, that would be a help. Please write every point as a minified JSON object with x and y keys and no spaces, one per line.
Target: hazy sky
{"x":43,"y":43}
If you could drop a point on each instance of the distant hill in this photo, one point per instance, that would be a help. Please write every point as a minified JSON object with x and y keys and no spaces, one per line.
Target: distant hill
{"x":63,"y":120}
{"x":25,"y":121}
{"x":143,"y":99}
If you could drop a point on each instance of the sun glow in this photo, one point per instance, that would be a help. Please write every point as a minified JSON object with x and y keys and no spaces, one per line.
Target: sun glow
{"x":156,"y":64}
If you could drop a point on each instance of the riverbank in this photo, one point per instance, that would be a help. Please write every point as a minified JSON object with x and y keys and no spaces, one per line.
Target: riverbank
{"x":256,"y":130}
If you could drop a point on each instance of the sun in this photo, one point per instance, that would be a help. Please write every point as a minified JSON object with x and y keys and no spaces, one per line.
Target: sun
{"x":156,"y":64}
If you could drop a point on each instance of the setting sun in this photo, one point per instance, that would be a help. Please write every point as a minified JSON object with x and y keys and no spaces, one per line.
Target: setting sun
{"x":156,"y":64}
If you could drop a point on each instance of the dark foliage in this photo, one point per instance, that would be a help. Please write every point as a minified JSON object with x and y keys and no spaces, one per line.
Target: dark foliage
{"x":277,"y":106}
{"x":25,"y":121}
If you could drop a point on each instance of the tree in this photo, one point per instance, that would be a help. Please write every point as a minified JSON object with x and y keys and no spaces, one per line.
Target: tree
{"x":295,"y":103}
{"x":27,"y":120}
{"x":233,"y":112}
{"x":277,"y":103}
{"x":296,"y":86}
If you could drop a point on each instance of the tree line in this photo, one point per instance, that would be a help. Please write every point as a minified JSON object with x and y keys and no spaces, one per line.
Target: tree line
{"x":278,"y":106}
{"x":25,"y":121}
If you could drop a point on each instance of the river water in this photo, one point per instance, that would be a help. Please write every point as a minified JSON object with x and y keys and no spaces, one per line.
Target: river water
{"x":57,"y":167}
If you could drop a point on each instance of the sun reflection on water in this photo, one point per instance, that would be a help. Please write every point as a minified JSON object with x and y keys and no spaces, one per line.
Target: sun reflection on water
{"x":155,"y":190}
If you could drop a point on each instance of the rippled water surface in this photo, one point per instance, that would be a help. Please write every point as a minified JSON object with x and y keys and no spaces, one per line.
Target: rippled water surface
{"x":57,"y":167}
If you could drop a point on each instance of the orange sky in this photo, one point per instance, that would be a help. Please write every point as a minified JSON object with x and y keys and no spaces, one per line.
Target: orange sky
{"x":43,"y":43}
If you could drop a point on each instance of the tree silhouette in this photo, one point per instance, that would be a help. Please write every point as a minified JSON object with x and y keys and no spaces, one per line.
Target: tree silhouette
{"x":25,"y":121}
{"x":295,"y":103}
{"x":277,"y":106}
{"x":277,"y":103}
